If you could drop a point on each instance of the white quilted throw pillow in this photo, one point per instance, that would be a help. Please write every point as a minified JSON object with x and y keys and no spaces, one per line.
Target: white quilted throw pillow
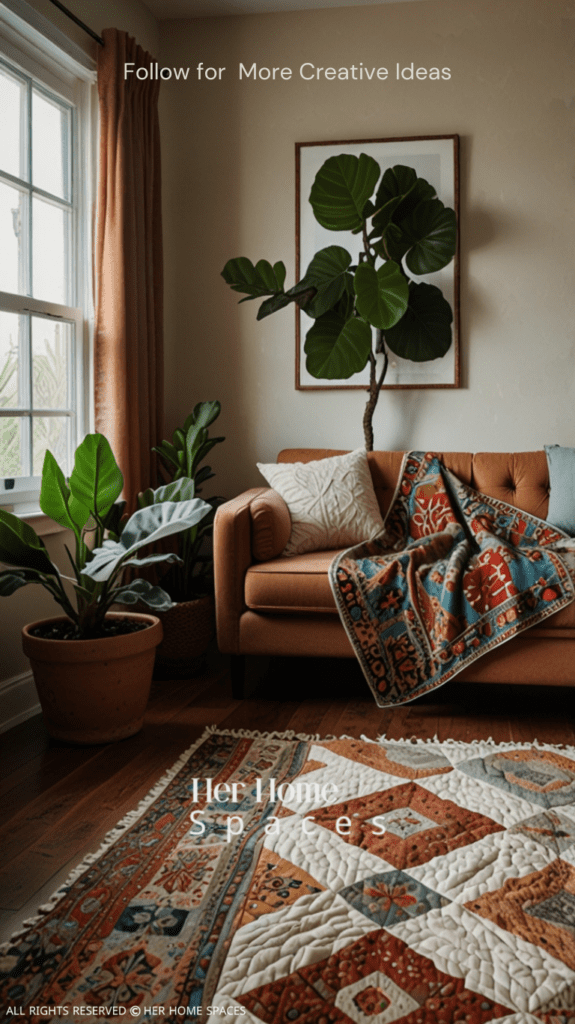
{"x":332,"y":502}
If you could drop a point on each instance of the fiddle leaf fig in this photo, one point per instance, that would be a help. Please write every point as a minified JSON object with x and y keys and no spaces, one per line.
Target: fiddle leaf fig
{"x":381,"y":294}
{"x":327,"y":273}
{"x":263,"y":279}
{"x":424,"y":332}
{"x":341,"y":189}
{"x":402,"y":190}
{"x":431,"y":230}
{"x":366,"y":306}
{"x":335,"y":348}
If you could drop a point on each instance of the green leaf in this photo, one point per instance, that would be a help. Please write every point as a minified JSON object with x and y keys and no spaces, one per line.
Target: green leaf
{"x":272,"y":305}
{"x":341,"y":189}
{"x":280,"y":273}
{"x":168,"y":452}
{"x":146,"y":526}
{"x":179,"y":490}
{"x":424,"y":332}
{"x":19,"y":545}
{"x":383,"y":217}
{"x":432,"y":233}
{"x":12,"y":581}
{"x":203,"y":414}
{"x":382,"y":295}
{"x":337,"y":349}
{"x":142,"y":590}
{"x":263,"y":279}
{"x":327,"y":273}
{"x":56,"y":498}
{"x":96,"y":480}
{"x":401,"y":182}
{"x":113,"y":519}
{"x":196,"y":434}
{"x":203,"y":474}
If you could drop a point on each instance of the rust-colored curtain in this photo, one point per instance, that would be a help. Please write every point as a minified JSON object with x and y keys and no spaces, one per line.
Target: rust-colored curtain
{"x":128,"y":345}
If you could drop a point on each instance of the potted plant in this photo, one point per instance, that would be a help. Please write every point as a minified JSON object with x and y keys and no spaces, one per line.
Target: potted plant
{"x":405,"y":229}
{"x":189,"y":624}
{"x":93,"y":667}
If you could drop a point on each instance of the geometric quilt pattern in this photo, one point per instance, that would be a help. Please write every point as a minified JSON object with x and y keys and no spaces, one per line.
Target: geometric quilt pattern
{"x":321,"y":882}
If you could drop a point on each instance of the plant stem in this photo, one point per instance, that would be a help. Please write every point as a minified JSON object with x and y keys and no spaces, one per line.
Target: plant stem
{"x":375,"y":383}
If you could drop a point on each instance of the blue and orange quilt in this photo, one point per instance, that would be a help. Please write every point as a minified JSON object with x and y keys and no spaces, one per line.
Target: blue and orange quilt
{"x":453,"y":575}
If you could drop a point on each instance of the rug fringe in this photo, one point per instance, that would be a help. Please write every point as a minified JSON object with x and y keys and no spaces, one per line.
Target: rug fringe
{"x":489,"y":743}
{"x":286,"y":734}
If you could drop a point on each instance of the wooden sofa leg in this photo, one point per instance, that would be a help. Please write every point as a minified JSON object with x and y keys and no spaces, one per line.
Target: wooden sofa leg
{"x":238,"y":676}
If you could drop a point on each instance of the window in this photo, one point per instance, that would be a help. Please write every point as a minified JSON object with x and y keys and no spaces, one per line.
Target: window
{"x":44,"y":259}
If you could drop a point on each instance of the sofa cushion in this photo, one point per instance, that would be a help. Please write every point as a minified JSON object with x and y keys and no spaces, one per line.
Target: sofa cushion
{"x":331,"y":501}
{"x":561,"y":462}
{"x":299,"y":583}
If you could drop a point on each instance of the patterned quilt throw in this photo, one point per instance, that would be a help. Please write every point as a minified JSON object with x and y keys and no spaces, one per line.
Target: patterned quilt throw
{"x":277,"y":880}
{"x":454,"y":574}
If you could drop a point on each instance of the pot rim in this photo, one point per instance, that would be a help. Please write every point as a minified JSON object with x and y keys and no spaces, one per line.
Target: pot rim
{"x":98,"y":647}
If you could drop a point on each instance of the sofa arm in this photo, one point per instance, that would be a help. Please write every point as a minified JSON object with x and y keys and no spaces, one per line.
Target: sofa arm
{"x":271,"y":525}
{"x":232,"y":547}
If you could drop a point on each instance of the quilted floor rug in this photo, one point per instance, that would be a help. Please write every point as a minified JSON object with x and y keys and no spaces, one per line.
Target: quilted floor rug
{"x":284,"y":879}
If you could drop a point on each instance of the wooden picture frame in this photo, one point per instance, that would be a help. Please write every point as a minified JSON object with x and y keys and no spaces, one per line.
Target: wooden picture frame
{"x":435,"y":158}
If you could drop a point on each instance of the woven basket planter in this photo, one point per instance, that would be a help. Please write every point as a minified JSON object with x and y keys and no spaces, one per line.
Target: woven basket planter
{"x":189,"y":628}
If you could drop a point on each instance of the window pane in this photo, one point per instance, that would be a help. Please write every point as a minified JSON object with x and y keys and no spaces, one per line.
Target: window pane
{"x":13,"y":362}
{"x":50,"y":432}
{"x":13,"y":236}
{"x":51,"y":139}
{"x":51,"y":364}
{"x":13,"y":446}
{"x":50,"y":252}
{"x":13,"y":125}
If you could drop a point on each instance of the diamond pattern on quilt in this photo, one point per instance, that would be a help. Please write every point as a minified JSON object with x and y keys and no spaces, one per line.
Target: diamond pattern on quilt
{"x":276,"y":884}
{"x":469,"y":872}
{"x":539,"y":908}
{"x":490,"y":960}
{"x":419,"y":825}
{"x":408,"y":760}
{"x":391,"y":897}
{"x":377,"y":979}
{"x":542,"y":777}
{"x":551,"y":828}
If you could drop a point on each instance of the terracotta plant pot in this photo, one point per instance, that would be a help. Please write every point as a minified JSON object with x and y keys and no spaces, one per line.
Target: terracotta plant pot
{"x":94,"y":691}
{"x":188,"y":629}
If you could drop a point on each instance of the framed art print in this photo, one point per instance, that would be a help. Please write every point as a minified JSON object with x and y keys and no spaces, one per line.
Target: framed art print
{"x":434,"y":158}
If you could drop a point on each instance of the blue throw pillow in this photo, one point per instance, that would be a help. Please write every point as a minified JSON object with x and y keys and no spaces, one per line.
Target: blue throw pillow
{"x":561,"y":463}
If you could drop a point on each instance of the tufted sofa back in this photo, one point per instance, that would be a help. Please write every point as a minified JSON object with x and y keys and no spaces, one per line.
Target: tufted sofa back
{"x":519,"y":478}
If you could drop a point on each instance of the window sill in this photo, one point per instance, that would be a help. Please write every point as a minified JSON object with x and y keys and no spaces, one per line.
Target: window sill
{"x":35,"y":518}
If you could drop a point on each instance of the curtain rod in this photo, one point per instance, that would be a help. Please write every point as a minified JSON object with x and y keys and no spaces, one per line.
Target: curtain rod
{"x":77,"y":20}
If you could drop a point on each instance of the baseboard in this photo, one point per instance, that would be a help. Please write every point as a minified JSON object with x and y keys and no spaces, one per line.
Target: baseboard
{"x":18,"y":700}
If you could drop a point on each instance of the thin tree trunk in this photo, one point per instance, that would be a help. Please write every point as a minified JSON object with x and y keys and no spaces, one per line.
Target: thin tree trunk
{"x":375,"y":383}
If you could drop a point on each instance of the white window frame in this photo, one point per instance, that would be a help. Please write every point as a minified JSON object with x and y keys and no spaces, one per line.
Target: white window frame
{"x":41,"y":53}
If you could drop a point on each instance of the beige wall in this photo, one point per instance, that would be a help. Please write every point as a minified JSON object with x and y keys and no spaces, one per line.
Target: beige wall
{"x":33,"y":602}
{"x":228,"y":152}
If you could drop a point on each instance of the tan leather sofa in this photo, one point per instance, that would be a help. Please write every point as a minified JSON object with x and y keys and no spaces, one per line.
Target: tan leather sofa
{"x":267,"y":604}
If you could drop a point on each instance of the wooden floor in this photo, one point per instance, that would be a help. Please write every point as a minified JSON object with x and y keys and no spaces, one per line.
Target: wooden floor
{"x":57,"y":802}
